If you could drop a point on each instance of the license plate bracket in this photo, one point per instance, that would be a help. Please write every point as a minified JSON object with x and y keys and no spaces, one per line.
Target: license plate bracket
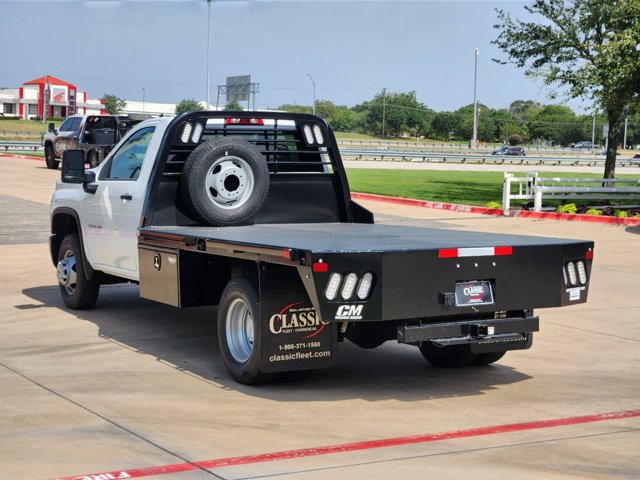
{"x":472,"y":293}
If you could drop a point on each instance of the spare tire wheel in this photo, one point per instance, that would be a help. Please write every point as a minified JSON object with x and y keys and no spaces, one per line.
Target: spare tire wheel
{"x":225,"y":181}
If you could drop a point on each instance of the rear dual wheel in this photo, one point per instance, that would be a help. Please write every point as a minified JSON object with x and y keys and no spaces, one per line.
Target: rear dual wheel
{"x":238,"y":333}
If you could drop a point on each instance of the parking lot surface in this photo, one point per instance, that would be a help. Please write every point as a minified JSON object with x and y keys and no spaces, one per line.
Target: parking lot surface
{"x":134,"y":389}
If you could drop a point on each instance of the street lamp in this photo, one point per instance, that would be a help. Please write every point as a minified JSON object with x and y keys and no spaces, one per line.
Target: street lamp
{"x":474,"y":142}
{"x":208,"y":52}
{"x":314,"y":93}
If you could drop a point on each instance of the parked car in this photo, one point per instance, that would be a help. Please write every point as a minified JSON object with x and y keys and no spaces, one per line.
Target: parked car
{"x":584,"y":145}
{"x":506,"y":150}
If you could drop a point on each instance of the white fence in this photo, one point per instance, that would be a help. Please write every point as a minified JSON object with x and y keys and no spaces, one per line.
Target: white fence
{"x":533,"y":187}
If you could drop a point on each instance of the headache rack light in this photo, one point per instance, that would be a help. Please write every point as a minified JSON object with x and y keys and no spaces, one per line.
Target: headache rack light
{"x":244,"y":121}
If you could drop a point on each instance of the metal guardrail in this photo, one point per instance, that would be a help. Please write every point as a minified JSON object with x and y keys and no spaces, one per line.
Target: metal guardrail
{"x":441,"y":157}
{"x":533,"y":187}
{"x":20,"y":146}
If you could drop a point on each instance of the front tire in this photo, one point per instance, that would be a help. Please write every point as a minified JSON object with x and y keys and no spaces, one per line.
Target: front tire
{"x":78,"y":292}
{"x":452,"y":356}
{"x":49,"y":158}
{"x":239,"y":333}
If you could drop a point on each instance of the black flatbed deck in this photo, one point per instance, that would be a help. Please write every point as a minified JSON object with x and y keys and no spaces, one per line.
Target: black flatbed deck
{"x":348,"y":237}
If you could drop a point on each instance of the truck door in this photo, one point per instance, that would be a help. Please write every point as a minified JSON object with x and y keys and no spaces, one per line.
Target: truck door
{"x":117,"y":205}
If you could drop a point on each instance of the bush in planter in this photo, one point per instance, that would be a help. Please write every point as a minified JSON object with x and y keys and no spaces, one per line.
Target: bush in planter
{"x":593,"y":211}
{"x":569,"y":208}
{"x":493,"y":205}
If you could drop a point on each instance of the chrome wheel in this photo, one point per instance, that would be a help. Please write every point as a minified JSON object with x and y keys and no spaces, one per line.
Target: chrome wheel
{"x":67,"y":272}
{"x":239,"y":330}
{"x":229,"y":182}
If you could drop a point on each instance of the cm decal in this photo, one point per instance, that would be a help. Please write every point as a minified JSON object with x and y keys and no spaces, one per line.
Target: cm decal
{"x":349,"y":312}
{"x":296,"y":319}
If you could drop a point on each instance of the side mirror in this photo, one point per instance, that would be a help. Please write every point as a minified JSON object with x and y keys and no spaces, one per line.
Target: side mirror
{"x":73,"y":166}
{"x":52,"y":127}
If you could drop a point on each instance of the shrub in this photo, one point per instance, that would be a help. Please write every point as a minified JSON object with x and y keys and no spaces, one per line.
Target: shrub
{"x":621,"y":214}
{"x":516,"y":139}
{"x":593,"y":211}
{"x":567,"y":208}
{"x":493,"y":205}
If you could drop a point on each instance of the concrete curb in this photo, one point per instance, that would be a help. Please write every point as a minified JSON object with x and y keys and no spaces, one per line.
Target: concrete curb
{"x":629,"y":222}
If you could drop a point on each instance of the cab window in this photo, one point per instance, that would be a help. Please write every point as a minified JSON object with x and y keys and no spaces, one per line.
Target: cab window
{"x":66,"y":125}
{"x":127,"y":161}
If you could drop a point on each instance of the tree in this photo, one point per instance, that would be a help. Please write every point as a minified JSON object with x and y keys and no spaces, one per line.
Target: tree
{"x":188,"y":105}
{"x":557,"y":123}
{"x":588,"y":47}
{"x":113,"y":105}
{"x":233,"y":106}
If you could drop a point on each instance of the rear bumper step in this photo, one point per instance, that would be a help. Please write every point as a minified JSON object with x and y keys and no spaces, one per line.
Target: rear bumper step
{"x":511,"y":333}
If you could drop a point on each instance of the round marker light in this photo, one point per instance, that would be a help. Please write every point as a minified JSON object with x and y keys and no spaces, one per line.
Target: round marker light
{"x":365,"y":286}
{"x":582,"y":272}
{"x":197,"y":133}
{"x":349,"y":286}
{"x":571,"y":271}
{"x":308,"y":134}
{"x":186,"y":132}
{"x":317,"y":131}
{"x":332,"y":287}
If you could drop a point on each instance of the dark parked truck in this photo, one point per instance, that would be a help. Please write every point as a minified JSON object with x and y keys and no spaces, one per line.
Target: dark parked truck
{"x":95,"y":134}
{"x":251,"y":211}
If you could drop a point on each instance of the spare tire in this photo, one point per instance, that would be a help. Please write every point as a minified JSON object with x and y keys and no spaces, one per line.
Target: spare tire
{"x":225,"y":182}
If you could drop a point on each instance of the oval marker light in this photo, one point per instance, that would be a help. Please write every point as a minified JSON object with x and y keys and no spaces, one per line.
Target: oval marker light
{"x":308,"y":134}
{"x":349,"y":286}
{"x":317,"y":131}
{"x":186,"y":133}
{"x":365,"y":286}
{"x":197,"y":133}
{"x":332,"y":287}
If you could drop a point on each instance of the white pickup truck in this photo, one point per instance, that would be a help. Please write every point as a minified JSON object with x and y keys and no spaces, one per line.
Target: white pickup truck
{"x":252,"y":212}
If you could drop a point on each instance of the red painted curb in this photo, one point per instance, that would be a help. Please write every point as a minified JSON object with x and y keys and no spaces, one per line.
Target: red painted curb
{"x":351,"y":447}
{"x":21,"y":157}
{"x":454,"y":207}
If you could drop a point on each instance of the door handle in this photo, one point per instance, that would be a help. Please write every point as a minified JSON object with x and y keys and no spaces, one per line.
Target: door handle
{"x":126,"y":197}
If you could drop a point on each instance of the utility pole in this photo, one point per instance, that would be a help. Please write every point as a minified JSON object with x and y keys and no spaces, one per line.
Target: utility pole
{"x":314,"y":92}
{"x":208,"y":53}
{"x":593,"y":129}
{"x":384,"y":108}
{"x":626,"y":125}
{"x":474,"y":142}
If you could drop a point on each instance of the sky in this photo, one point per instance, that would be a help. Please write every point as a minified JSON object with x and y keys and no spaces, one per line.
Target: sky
{"x":351,"y":50}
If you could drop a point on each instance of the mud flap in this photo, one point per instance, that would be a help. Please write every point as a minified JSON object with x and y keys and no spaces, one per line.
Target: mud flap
{"x":292,"y":334}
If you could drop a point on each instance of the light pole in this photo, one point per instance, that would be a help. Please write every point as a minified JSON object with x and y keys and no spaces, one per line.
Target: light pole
{"x":474,"y":142}
{"x":314,"y":92}
{"x":208,"y":52}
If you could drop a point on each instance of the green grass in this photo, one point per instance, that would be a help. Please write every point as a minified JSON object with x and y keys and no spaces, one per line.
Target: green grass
{"x":468,"y":188}
{"x":14,"y":129}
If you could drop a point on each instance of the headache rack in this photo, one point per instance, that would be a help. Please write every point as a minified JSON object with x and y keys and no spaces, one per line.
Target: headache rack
{"x":280,"y":137}
{"x":308,"y":181}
